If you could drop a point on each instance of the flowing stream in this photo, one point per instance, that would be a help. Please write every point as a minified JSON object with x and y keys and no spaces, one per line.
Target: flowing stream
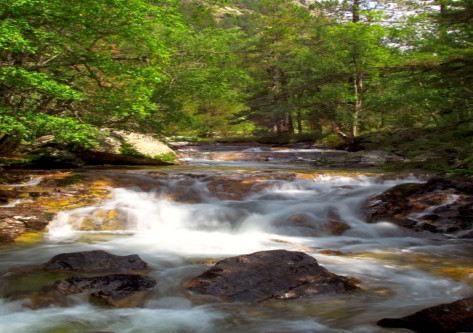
{"x":178,"y":237}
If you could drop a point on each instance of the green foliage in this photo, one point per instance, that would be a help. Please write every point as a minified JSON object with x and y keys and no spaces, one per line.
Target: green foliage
{"x":261,"y":67}
{"x":69,"y":66}
{"x":331,"y":140}
{"x":166,"y":157}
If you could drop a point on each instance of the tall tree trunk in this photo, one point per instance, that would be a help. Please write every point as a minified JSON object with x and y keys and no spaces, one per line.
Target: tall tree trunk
{"x":289,"y":123}
{"x":299,"y":122}
{"x":357,"y":77}
{"x":355,"y":11}
{"x":285,"y":124}
{"x":315,"y":126}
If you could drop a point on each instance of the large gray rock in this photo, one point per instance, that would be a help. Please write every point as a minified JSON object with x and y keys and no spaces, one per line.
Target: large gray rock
{"x":114,"y":142}
{"x":126,"y":148}
{"x":95,"y":262}
{"x":266,"y":275}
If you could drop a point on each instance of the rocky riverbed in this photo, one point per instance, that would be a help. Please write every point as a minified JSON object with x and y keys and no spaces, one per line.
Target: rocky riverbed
{"x":209,"y":247}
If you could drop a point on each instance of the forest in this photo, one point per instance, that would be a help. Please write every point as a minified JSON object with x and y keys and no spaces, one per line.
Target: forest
{"x":241,"y":68}
{"x":237,"y":166}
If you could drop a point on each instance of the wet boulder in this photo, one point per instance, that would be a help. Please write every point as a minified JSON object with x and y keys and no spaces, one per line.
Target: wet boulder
{"x":95,"y":262}
{"x":116,"y":290}
{"x":266,"y":275}
{"x":439,"y":205}
{"x":443,"y":318}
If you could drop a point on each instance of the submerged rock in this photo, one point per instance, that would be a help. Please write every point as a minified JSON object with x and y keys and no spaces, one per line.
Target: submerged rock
{"x":95,"y":262}
{"x":48,"y":296}
{"x":443,"y":318}
{"x":116,"y":290}
{"x":306,"y":225}
{"x":440,"y":205}
{"x":266,"y":275}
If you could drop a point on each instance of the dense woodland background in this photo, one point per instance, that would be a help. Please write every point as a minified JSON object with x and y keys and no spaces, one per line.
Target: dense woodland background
{"x":318,"y":70}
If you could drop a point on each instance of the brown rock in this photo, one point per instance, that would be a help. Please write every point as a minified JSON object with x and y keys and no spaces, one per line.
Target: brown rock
{"x":116,"y":290}
{"x":308,"y":226}
{"x":95,"y":262}
{"x":16,"y":221}
{"x":452,"y":216}
{"x":11,"y":229}
{"x":265,"y":275}
{"x":8,"y":195}
{"x":443,"y":318}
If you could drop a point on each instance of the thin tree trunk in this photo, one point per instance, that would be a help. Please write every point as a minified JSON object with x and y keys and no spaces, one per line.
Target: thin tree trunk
{"x":284,"y":124}
{"x":299,"y":122}
{"x":358,"y":91}
{"x":357,"y":77}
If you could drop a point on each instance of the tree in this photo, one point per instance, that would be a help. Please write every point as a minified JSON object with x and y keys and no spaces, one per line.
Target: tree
{"x":70,"y":66}
{"x":279,"y":30}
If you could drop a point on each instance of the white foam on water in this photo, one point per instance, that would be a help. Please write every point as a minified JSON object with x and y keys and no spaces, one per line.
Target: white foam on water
{"x":285,"y":215}
{"x":32,"y":182}
{"x":217,"y":227}
{"x":85,"y":318}
{"x":12,"y":204}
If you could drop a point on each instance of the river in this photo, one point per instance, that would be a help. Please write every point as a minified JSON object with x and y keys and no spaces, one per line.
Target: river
{"x":231,"y":202}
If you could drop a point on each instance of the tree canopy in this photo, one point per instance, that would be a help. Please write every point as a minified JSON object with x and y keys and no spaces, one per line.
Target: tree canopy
{"x":70,"y":68}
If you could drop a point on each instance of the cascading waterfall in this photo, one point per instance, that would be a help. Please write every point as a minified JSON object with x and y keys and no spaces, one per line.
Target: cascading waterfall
{"x":177,"y":237}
